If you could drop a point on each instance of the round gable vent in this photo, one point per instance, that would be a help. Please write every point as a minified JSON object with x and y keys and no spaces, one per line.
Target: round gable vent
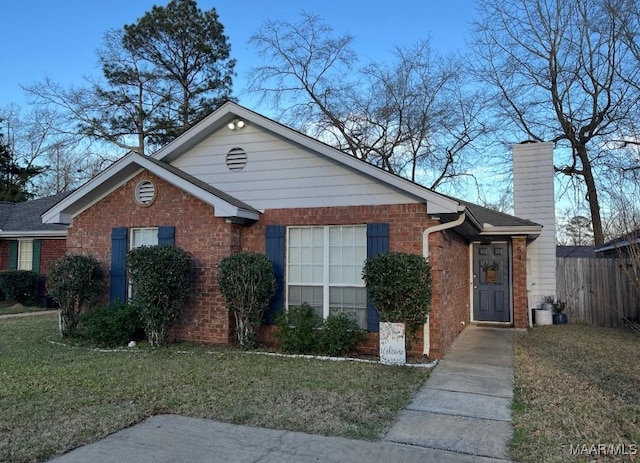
{"x":236,"y":159}
{"x":145,"y":192}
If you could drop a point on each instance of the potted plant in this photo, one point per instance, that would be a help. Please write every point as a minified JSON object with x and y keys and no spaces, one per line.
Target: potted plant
{"x":559,"y":318}
{"x":547,"y":302}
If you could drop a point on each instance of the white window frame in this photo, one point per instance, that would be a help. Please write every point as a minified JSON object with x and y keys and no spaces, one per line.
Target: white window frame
{"x":131,"y":246}
{"x":25,"y":265}
{"x":326,"y":284}
{"x":132,"y":233}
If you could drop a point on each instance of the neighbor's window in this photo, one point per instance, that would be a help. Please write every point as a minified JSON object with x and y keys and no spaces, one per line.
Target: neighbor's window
{"x":324,"y":269}
{"x":25,"y":255}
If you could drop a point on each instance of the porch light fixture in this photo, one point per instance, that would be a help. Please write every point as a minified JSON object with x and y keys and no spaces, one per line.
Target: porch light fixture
{"x":235,"y":124}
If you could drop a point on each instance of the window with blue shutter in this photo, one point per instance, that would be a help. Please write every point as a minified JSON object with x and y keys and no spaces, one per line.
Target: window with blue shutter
{"x":377,"y":243}
{"x":118,"y":275}
{"x":166,"y":235}
{"x":275,"y":250}
{"x":13,"y":255}
{"x":37,"y":250}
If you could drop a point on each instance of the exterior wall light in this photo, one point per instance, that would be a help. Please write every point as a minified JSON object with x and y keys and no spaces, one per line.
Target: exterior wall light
{"x":235,"y":124}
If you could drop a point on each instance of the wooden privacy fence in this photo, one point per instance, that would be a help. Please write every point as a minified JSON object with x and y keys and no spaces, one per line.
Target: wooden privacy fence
{"x":598,"y":292}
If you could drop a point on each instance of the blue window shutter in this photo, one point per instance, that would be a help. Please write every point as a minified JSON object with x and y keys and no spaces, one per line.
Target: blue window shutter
{"x":35,"y":261}
{"x":377,"y":243}
{"x":166,"y":236}
{"x":275,"y":242}
{"x":13,"y":255}
{"x":118,"y":274}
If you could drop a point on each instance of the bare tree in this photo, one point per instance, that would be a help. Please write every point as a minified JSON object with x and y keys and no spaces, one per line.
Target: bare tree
{"x":560,"y":69}
{"x":413,"y":117}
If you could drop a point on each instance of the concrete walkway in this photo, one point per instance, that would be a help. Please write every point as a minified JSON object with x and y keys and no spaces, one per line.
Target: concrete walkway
{"x":464,"y":406}
{"x":461,"y":415}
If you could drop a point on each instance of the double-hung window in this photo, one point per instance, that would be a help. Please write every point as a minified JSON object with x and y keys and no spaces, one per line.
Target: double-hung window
{"x":141,"y":237}
{"x":25,"y":255}
{"x":324,"y":270}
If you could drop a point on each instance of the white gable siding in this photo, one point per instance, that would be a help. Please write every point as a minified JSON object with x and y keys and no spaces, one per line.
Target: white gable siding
{"x":280,"y":174}
{"x":534,"y":200}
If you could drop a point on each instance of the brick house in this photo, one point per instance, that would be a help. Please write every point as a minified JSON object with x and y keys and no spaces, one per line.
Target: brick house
{"x":28,"y":244}
{"x":239,"y":181}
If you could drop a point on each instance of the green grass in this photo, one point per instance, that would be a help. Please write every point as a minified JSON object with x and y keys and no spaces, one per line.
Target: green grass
{"x":55,"y":397}
{"x":576,"y":385}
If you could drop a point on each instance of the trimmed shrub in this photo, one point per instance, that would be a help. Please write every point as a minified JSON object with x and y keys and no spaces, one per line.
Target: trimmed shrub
{"x":76,"y":283}
{"x":399,"y":285}
{"x":160,"y":278}
{"x":111,"y":326}
{"x":19,"y":286}
{"x":297,"y":330}
{"x":340,"y":334}
{"x":247,"y":283}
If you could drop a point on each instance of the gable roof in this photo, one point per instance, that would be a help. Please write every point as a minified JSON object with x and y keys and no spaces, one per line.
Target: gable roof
{"x":628,"y":239}
{"x":480,"y":220}
{"x":229,"y":111}
{"x":129,"y":166}
{"x":24,"y":219}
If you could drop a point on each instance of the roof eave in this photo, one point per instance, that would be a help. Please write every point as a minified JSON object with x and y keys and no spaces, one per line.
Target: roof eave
{"x":33,"y":234}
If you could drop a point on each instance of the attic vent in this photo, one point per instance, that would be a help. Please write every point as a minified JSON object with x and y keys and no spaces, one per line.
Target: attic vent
{"x":145,"y":192}
{"x":236,"y":159}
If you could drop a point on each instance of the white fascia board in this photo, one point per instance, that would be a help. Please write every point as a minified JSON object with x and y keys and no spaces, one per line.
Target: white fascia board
{"x":436,"y":203}
{"x":221,"y":207}
{"x":53,"y":234}
{"x":63,"y":212}
{"x":128,"y":167}
{"x":530,"y":230}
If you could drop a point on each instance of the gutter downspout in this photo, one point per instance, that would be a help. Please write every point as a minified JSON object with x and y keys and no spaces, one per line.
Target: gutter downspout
{"x":425,"y":253}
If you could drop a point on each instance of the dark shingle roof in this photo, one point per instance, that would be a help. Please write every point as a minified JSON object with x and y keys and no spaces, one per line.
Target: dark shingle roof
{"x":575,"y":251}
{"x":495,"y":218}
{"x":26,"y":216}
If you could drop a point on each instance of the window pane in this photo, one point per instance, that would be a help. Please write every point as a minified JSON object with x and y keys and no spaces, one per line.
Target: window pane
{"x":25,"y":255}
{"x":311,"y":295}
{"x":144,"y":237}
{"x":352,"y":301}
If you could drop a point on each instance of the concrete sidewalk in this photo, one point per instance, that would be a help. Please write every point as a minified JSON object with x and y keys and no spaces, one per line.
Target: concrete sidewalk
{"x":461,"y":415}
{"x":464,"y":406}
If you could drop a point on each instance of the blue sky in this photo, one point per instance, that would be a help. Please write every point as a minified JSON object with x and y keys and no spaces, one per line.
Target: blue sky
{"x":58,"y":39}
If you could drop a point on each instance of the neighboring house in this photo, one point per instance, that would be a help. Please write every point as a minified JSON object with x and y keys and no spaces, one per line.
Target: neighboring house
{"x":28,"y":244}
{"x":576,"y":251}
{"x":239,"y":181}
{"x":626,"y":245}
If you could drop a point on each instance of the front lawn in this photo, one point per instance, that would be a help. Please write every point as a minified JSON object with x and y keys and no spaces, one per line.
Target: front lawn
{"x":54,"y":397}
{"x":577,"y":395}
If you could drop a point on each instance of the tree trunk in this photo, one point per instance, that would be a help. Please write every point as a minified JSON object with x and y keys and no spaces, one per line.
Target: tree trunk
{"x":592,"y":196}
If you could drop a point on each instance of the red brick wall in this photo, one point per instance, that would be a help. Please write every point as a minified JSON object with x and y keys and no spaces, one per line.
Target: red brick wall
{"x":209,"y":238}
{"x":4,"y":255}
{"x":51,"y":250}
{"x":520,"y":299}
{"x":197,"y":230}
{"x":449,"y":258}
